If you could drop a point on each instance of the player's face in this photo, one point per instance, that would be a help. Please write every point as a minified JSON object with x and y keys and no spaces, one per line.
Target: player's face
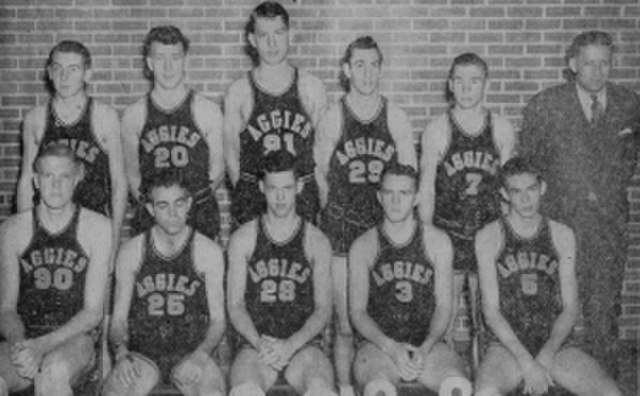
{"x":167,"y":62}
{"x":280,"y":189}
{"x":57,"y":178}
{"x":271,"y":40}
{"x":68,"y":74}
{"x":524,"y":192}
{"x":170,"y":207}
{"x":397,"y":196}
{"x":467,"y":84}
{"x":592,"y":67}
{"x":363,"y":71}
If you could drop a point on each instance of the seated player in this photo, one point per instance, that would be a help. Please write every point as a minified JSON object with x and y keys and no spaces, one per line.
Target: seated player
{"x":169,"y":303}
{"x":400,"y":297}
{"x":53,"y":278}
{"x":279,"y":293}
{"x":529,"y":295}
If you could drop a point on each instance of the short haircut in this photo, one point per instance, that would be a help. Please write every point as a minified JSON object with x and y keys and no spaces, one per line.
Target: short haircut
{"x":165,"y":34}
{"x":279,"y":161}
{"x":72,"y":46}
{"x":518,"y":166}
{"x":59,"y":150}
{"x":266,"y":9}
{"x":469,"y":59}
{"x":165,"y":178}
{"x":361,"y":43}
{"x":593,"y":37}
{"x":397,"y":169}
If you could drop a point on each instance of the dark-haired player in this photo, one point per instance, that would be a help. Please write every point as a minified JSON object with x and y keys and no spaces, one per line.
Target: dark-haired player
{"x":173,"y":127}
{"x":400,"y":297}
{"x":169,"y":306}
{"x":90,"y":128}
{"x":357,"y":139}
{"x":279,"y":294}
{"x":54,"y":261}
{"x":526,"y":264}
{"x":275,"y":107}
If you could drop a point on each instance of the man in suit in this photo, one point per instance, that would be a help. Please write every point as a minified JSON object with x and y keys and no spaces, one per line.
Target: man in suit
{"x":583,"y":135}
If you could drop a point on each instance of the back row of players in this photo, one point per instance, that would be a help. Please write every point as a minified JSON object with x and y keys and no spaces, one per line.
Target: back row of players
{"x":169,"y":278}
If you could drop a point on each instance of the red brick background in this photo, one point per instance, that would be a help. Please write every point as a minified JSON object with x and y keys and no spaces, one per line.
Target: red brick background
{"x":523,"y":41}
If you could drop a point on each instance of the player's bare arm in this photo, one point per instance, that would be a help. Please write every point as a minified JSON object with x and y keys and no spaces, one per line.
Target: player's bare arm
{"x":504,"y":136}
{"x":15,"y":233}
{"x":402,"y":133}
{"x":210,"y":262}
{"x":434,"y":140}
{"x":131,"y":127}
{"x":313,"y":96}
{"x":92,"y":229}
{"x":238,"y":103}
{"x":241,"y":246}
{"x":32,"y":131}
{"x":107,"y":129}
{"x":438,"y":244}
{"x":209,"y":118}
{"x":127,"y":264}
{"x":565,"y":243}
{"x":487,"y":247}
{"x":327,"y":136}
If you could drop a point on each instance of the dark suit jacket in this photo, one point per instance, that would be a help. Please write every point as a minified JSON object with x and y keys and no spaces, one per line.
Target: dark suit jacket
{"x":584,"y":165}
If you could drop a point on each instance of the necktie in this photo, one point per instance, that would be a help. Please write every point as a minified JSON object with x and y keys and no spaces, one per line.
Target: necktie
{"x":597,"y":111}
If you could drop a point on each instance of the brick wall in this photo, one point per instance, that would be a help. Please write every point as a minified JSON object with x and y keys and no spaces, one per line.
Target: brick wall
{"x":523,"y":41}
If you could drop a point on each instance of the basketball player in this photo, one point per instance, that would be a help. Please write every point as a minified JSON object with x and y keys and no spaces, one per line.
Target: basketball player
{"x":462,"y":152}
{"x":275,"y":107}
{"x":358,"y":137}
{"x":53,"y":276}
{"x":526,"y":264}
{"x":173,"y":127}
{"x":90,"y":128}
{"x":169,"y":307}
{"x":280,"y":301}
{"x":400,"y":297}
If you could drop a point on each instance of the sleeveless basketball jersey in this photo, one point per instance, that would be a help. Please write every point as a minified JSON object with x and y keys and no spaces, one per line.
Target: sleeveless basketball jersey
{"x":169,"y":314}
{"x":466,"y":184}
{"x":279,"y":289}
{"x":277,"y":122}
{"x":53,"y":269}
{"x":171,"y":139}
{"x":529,"y":284}
{"x":364,"y":150}
{"x":94,"y":191}
{"x":401,"y":288}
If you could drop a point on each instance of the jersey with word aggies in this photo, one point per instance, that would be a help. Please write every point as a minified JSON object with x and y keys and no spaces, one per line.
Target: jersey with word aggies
{"x":94,"y":191}
{"x":529,"y":284}
{"x":466,"y":185}
{"x":279,"y":292}
{"x":364,"y":150}
{"x":171,"y":139}
{"x":169,"y":313}
{"x":53,"y":269}
{"x":277,"y":122}
{"x":401,"y":288}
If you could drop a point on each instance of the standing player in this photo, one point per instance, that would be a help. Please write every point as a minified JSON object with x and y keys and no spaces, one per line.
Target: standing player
{"x":174,"y":128}
{"x":400,"y":297}
{"x":526,"y":264}
{"x":280,"y":298}
{"x":169,"y":307}
{"x":358,"y":137}
{"x":275,"y":107}
{"x":90,"y":128}
{"x":462,"y":152}
{"x":54,"y":261}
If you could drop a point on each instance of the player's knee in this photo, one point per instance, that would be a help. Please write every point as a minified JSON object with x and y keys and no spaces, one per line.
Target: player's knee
{"x":246,"y":390}
{"x":380,"y":386}
{"x":455,"y":386}
{"x":4,"y":388}
{"x":53,"y":374}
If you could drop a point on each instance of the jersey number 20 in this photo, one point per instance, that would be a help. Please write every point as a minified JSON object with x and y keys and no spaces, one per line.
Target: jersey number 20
{"x":178,"y":156}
